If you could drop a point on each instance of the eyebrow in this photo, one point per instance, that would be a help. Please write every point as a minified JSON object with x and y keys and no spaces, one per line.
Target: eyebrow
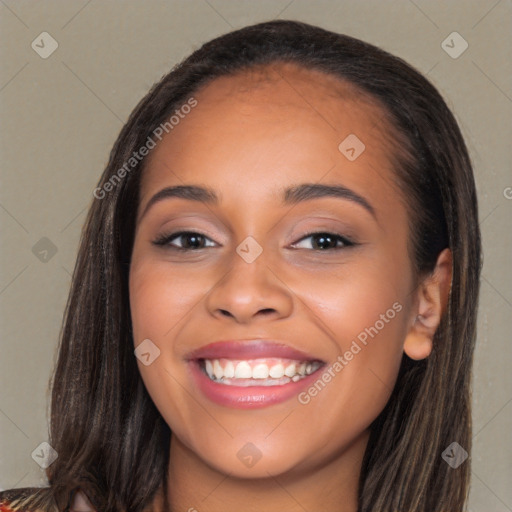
{"x":308,"y":191}
{"x":291,"y":196}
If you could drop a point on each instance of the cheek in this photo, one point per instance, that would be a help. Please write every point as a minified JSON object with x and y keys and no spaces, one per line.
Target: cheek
{"x":358,"y":301}
{"x":160,"y":299}
{"x":363,"y":315}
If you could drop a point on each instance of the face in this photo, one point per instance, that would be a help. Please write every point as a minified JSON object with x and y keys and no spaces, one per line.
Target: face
{"x":275,"y":315}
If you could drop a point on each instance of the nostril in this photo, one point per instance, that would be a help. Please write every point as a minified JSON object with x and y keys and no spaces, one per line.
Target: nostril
{"x":265,"y":311}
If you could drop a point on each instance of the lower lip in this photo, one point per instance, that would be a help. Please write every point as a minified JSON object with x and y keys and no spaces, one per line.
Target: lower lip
{"x":250,"y":397}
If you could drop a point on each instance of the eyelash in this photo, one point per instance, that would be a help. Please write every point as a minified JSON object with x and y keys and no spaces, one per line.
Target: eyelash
{"x":165,"y":239}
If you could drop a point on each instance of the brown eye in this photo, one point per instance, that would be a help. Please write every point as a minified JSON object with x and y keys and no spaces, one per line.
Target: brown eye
{"x":187,"y":241}
{"x":322,"y":241}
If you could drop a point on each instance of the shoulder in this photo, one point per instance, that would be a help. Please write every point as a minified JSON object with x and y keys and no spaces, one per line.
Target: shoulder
{"x":5,"y":505}
{"x":20,"y":500}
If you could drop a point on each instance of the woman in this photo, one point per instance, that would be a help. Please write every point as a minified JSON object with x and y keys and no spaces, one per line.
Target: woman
{"x":274,"y":301}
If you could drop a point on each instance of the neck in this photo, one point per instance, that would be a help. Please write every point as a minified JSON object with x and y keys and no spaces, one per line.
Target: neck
{"x":194,"y":486}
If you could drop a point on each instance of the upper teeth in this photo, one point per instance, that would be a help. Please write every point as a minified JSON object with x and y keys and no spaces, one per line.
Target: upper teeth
{"x":273,"y":368}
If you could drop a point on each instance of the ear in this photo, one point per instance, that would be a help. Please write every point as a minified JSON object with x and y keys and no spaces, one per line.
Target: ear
{"x":429,"y":305}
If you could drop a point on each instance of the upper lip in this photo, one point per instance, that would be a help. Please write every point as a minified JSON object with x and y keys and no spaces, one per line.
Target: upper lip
{"x":249,"y":349}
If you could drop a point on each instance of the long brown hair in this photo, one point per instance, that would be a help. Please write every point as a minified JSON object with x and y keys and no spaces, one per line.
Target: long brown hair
{"x":112,"y":441}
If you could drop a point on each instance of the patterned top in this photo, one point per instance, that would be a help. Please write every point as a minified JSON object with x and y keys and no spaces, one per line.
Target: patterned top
{"x":16,"y":500}
{"x":7,"y":505}
{"x":81,"y":504}
{"x":4,"y":507}
{"x":13,"y":500}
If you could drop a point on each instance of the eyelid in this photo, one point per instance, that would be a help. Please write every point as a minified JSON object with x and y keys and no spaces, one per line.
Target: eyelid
{"x":195,"y":222}
{"x":346,"y":240}
{"x":164,"y":239}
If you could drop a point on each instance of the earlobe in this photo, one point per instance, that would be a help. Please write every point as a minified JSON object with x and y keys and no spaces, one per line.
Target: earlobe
{"x":431,"y":303}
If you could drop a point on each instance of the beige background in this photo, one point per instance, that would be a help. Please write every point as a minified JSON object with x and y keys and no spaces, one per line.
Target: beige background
{"x":61,"y":115}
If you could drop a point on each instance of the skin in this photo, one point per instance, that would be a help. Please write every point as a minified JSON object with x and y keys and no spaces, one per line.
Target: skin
{"x":250,"y":136}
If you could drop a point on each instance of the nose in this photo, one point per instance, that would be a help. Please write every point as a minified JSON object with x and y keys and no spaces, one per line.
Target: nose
{"x":249,"y":292}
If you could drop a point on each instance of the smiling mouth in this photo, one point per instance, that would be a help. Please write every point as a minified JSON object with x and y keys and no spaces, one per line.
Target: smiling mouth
{"x":257,"y":372}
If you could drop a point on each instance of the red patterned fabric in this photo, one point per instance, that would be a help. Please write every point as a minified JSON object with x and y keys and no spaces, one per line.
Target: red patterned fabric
{"x":4,"y":507}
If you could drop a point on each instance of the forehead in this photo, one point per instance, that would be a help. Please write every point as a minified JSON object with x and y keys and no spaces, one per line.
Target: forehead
{"x":276,"y":123}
